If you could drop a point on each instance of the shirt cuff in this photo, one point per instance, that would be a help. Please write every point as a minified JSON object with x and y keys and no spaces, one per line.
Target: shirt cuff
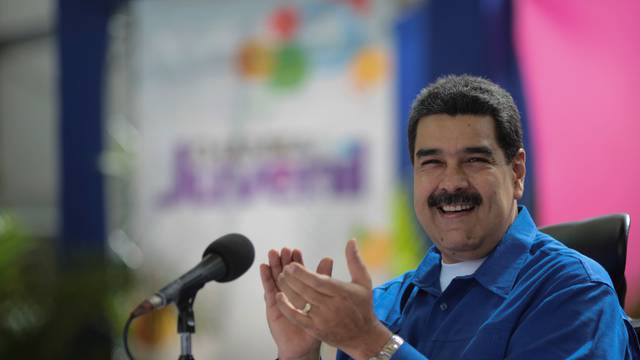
{"x":408,"y":352}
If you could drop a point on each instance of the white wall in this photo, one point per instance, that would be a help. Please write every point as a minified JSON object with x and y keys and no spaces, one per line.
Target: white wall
{"x":28,"y":114}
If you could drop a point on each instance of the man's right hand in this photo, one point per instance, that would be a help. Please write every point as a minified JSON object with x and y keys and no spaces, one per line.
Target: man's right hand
{"x":293,"y":342}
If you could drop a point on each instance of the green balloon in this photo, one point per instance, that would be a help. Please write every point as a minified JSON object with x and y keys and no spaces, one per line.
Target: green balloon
{"x":290,"y":68}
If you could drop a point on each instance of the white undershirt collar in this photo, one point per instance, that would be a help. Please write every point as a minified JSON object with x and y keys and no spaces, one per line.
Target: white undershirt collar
{"x":449,"y":272}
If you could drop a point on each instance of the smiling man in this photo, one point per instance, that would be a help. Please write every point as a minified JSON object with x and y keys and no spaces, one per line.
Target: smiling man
{"x":491,"y":287}
{"x":465,"y":189}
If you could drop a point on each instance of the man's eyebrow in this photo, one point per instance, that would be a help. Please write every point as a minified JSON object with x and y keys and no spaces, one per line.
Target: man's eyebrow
{"x":427,"y":152}
{"x":484,"y":150}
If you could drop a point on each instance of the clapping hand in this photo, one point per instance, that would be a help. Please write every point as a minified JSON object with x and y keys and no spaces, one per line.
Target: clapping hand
{"x":293,"y":341}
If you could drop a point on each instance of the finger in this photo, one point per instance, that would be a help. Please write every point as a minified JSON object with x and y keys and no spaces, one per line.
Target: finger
{"x":357,"y":268}
{"x":274,"y":263}
{"x":305,"y":291}
{"x":320,"y":282}
{"x":285,"y":256}
{"x":325,"y":266}
{"x":268,"y":284}
{"x":291,"y":312}
{"x":297,"y":256}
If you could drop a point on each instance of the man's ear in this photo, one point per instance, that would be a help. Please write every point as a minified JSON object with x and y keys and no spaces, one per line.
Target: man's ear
{"x":519,"y":168}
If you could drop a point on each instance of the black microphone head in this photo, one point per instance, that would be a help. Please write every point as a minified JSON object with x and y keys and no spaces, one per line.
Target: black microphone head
{"x":236,"y":251}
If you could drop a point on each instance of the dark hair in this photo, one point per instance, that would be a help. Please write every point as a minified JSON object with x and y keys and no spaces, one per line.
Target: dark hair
{"x":469,"y":95}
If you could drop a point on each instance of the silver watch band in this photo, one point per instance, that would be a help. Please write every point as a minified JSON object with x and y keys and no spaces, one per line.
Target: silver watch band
{"x":389,"y":348}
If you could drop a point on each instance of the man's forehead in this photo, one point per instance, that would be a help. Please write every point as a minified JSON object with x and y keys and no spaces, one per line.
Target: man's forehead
{"x":463,"y":130}
{"x":480,"y":149}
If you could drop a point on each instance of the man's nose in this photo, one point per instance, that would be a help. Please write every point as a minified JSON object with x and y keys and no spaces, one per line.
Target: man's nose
{"x":454,"y":179}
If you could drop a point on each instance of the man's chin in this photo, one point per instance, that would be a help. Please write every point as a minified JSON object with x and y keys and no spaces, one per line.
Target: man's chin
{"x":459,"y":239}
{"x":457,"y":250}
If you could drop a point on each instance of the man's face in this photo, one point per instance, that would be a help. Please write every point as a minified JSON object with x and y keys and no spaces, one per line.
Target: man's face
{"x":465,"y":190}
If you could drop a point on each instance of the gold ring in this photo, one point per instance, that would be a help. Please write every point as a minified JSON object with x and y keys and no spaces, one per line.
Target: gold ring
{"x":306,"y":308}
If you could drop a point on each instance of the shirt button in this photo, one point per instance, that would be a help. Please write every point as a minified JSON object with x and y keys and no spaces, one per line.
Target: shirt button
{"x":443,"y":306}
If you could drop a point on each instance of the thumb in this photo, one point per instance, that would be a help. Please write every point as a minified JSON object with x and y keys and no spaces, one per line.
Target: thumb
{"x":357,"y":269}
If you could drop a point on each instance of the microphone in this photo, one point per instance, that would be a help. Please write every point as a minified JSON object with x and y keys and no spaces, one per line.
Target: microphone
{"x":224,"y":260}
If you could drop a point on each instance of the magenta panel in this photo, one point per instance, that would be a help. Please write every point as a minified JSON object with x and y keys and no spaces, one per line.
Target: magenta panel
{"x":580,"y":63}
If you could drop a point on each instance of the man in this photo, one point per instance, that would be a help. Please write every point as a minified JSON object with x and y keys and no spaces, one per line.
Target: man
{"x":491,"y":287}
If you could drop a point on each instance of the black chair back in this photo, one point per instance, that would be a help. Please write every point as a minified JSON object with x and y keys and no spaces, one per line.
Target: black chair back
{"x":604,"y":239}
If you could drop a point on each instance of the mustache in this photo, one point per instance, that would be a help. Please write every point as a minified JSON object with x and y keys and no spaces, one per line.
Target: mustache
{"x":459,"y":197}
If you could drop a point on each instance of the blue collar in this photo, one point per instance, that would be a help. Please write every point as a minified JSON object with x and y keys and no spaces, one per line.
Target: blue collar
{"x":503,"y":264}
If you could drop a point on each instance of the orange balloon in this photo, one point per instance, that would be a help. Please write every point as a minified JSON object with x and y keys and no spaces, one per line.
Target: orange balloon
{"x":254,"y":60}
{"x":369,"y":67}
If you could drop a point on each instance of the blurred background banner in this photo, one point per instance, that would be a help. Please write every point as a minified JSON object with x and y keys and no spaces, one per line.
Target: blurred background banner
{"x":134,"y":133}
{"x":269,"y":119}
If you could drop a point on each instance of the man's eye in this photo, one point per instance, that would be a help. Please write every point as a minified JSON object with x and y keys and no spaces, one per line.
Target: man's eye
{"x":430,"y":162}
{"x":478,"y":160}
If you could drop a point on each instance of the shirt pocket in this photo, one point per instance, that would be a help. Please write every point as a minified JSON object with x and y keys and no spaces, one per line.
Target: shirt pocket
{"x":470,"y":341}
{"x":490,"y":342}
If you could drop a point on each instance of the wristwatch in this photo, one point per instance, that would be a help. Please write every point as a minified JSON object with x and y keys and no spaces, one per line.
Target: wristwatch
{"x":389,"y":348}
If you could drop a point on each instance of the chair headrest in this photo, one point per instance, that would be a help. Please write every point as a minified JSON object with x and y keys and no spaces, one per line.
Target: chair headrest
{"x":604,"y":239}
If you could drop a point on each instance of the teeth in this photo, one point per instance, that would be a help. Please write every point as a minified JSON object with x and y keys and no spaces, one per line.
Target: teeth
{"x":458,"y":207}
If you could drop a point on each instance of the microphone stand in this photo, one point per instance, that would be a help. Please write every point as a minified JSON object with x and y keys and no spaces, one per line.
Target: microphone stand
{"x":186,"y":322}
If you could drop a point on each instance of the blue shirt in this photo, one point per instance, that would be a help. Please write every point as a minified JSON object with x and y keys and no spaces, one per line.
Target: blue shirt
{"x":533,"y":298}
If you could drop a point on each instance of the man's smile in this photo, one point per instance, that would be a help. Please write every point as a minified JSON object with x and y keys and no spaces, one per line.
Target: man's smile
{"x":456,"y":208}
{"x":455,"y":204}
{"x":455,"y":211}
